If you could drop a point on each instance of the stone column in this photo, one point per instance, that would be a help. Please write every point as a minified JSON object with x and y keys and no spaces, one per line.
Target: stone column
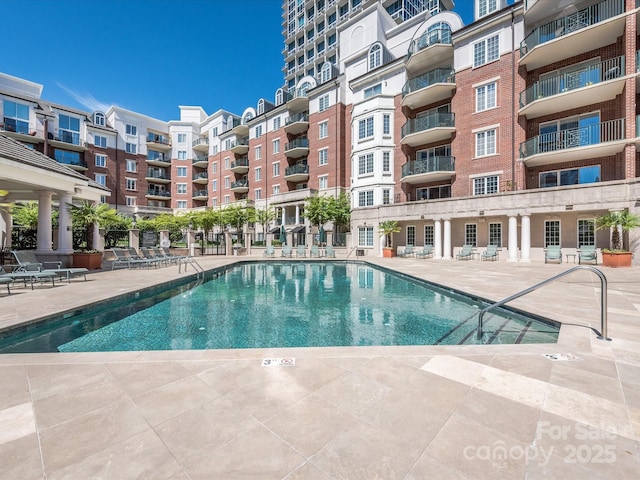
{"x":44,"y":223}
{"x":297,"y":214}
{"x":446,"y":254}
{"x":97,"y":241}
{"x":437,"y":239}
{"x":134,"y":238}
{"x":525,"y":240}
{"x":164,"y":235}
{"x":513,"y":238}
{"x":6,"y":221}
{"x":65,"y":232}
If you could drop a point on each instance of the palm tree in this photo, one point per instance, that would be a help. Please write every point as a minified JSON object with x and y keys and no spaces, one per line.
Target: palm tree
{"x":88,"y":214}
{"x":617,"y":221}
{"x":387,"y":229}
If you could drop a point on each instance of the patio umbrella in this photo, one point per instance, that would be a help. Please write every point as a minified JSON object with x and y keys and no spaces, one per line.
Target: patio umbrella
{"x":283,"y":235}
{"x":322,"y":237}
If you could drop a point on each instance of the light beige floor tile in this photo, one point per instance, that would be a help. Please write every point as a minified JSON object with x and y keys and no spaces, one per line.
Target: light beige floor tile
{"x":307,"y":472}
{"x":454,"y":368}
{"x":427,"y":467}
{"x":20,"y":459}
{"x":512,"y":386}
{"x":49,"y":380}
{"x":16,"y":422}
{"x":354,"y":393}
{"x":532,"y":366}
{"x":586,"y":382}
{"x":15,"y":386}
{"x":140,"y":377}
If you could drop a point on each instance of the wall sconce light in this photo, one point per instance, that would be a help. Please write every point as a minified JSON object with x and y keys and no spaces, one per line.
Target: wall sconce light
{"x":68,"y":228}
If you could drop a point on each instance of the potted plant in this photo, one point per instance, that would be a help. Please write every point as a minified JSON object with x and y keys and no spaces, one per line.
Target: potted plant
{"x":386,"y":230}
{"x":84,"y":217}
{"x":620,"y":221}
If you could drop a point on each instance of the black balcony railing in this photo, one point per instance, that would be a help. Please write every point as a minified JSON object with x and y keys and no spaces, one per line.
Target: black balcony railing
{"x":439,"y":75}
{"x":433,"y":120}
{"x":158,"y":158}
{"x":161,"y":139}
{"x":233,"y":124}
{"x":200,"y":193}
{"x":200,"y":176}
{"x":200,"y":158}
{"x":159,"y":193}
{"x":296,"y":169}
{"x":14,"y":125}
{"x":571,"y":23}
{"x":300,"y":117}
{"x":428,"y":165}
{"x":240,"y":162}
{"x":67,"y":136}
{"x":240,"y":142}
{"x":158,"y":175}
{"x":240,"y":184}
{"x":432,"y":37}
{"x":200,"y":141}
{"x":302,"y":142}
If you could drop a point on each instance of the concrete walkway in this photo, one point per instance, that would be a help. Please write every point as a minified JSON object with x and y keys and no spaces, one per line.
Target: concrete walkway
{"x":450,"y":412}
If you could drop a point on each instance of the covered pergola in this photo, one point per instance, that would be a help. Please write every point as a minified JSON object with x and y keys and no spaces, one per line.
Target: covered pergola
{"x":28,"y":175}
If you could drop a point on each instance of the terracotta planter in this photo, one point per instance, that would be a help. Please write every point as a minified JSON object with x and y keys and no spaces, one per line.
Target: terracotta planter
{"x":388,"y":252}
{"x":616,"y":259}
{"x":92,"y":261}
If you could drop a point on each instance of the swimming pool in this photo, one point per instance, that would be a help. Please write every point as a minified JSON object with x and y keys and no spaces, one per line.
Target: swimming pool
{"x":283,"y":304}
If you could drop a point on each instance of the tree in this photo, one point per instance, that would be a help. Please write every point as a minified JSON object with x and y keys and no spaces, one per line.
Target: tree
{"x":387,"y":229}
{"x":317,"y":210}
{"x":26,"y":214}
{"x":617,"y":221}
{"x":206,"y":220}
{"x":340,"y":210}
{"x":264,"y":216}
{"x":88,"y":214}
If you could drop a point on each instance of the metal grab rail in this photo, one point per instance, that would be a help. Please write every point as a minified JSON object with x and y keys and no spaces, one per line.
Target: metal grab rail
{"x":190,"y":260}
{"x":351,"y":251}
{"x":603,"y":298}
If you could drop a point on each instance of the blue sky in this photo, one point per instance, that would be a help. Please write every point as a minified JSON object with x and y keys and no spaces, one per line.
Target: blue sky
{"x":150,"y":56}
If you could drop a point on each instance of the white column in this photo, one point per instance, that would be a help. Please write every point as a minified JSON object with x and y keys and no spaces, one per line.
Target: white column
{"x":446,"y":254}
{"x":437,"y":239}
{"x":65,"y":233}
{"x":6,"y":220}
{"x":44,"y":223}
{"x":513,"y":238}
{"x":525,"y":248}
{"x":297,"y":214}
{"x":282,"y":216}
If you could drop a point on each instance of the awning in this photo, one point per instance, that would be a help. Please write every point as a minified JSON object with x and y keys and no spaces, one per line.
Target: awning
{"x":299,"y":229}
{"x":275,"y":230}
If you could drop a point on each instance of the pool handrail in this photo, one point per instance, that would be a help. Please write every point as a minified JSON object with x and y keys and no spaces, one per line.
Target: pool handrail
{"x":603,"y":298}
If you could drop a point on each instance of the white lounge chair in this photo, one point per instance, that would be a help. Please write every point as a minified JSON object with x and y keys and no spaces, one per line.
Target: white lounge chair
{"x":27,"y":262}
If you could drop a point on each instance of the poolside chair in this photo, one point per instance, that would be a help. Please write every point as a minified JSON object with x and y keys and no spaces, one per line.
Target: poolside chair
{"x":466,"y":253}
{"x":7,"y":281}
{"x":314,"y":251}
{"x":166,"y":253}
{"x":427,"y":251}
{"x":27,"y":261}
{"x":131,"y":252}
{"x":490,"y":253}
{"x":286,"y":250}
{"x":31,"y":276}
{"x":553,"y":253}
{"x":408,"y":251}
{"x":301,"y":251}
{"x":151,"y":254}
{"x":587,"y":253}
{"x":121,"y":257}
{"x":269,"y":251}
{"x":329,"y":252}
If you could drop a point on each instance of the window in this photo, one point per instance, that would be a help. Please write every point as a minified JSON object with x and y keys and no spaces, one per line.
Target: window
{"x":586,"y":232}
{"x":182,"y":138}
{"x":181,"y":187}
{"x":258,"y":152}
{"x":214,"y":185}
{"x":365,"y":128}
{"x":325,"y":72}
{"x":485,"y":185}
{"x":365,"y":164}
{"x":181,"y":204}
{"x":486,"y":143}
{"x":276,"y":146}
{"x":411,"y":235}
{"x":214,"y":167}
{"x":99,"y":119}
{"x":132,"y":129}
{"x":227,"y":161}
{"x":132,"y":166}
{"x":429,"y":235}
{"x":365,"y":199}
{"x":365,"y":236}
{"x":323,"y":156}
{"x":182,"y":154}
{"x":432,"y":193}
{"x":131,"y":184}
{"x":331,"y":41}
{"x":386,"y":196}
{"x":276,"y":169}
{"x":485,"y":7}
{"x":323,"y":182}
{"x":373,"y":91}
{"x":571,"y":176}
{"x":258,"y":172}
{"x":69,"y":129}
{"x":181,"y":171}
{"x":323,"y":129}
{"x":375,"y":56}
{"x":227,"y":182}
{"x":101,"y":179}
{"x":131,"y":201}
{"x":67,"y":157}
{"x":227,"y":144}
{"x":486,"y":51}
{"x":276,"y":190}
{"x":16,"y":117}
{"x":100,"y":141}
{"x":551,"y":233}
{"x":386,"y":124}
{"x":101,"y":161}
{"x":226,"y":199}
{"x":131,"y":148}
{"x":495,"y":234}
{"x":276,"y":123}
{"x":332,"y":19}
{"x":323,"y":103}
{"x":214,"y":149}
{"x":486,"y":97}
{"x":214,"y":202}
{"x":386,"y":162}
{"x":471,"y":234}
{"x":258,"y":131}
{"x":258,"y":193}
{"x":214,"y":132}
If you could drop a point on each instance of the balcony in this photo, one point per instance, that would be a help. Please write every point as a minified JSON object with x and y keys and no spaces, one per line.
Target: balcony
{"x":595,"y":83}
{"x":297,"y":148}
{"x":430,"y":49}
{"x":297,"y":124}
{"x":155,"y":194}
{"x":594,"y":27}
{"x":200,"y":195}
{"x":299,"y":102}
{"x":158,"y":141}
{"x":428,"y":129}
{"x":201,"y":178}
{"x":158,"y":159}
{"x":240,"y":146}
{"x":21,"y":131}
{"x":67,"y":140}
{"x":78,"y":165}
{"x":241,"y":165}
{"x":201,"y":144}
{"x":592,"y":141}
{"x":297,"y":195}
{"x":426,"y":170}
{"x":240,"y":186}
{"x":297,"y":173}
{"x":428,"y":88}
{"x":157,"y":176}
{"x":200,"y":161}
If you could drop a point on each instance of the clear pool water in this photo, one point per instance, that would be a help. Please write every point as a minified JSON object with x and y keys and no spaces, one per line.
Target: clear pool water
{"x":284,"y":304}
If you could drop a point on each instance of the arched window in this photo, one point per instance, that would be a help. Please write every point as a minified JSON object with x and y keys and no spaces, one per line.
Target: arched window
{"x":247,"y":116}
{"x":302,"y":91}
{"x":439,"y":33}
{"x":99,"y":119}
{"x":279,"y":97}
{"x":375,"y":56}
{"x":260,"y":106}
{"x":325,"y":72}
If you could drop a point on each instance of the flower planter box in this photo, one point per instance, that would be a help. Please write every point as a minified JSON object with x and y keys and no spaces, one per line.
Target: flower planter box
{"x":617,"y":259}
{"x":388,"y":252}
{"x":91,"y":261}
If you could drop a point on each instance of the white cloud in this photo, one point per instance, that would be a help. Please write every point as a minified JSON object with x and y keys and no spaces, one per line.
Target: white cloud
{"x":85,"y":99}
